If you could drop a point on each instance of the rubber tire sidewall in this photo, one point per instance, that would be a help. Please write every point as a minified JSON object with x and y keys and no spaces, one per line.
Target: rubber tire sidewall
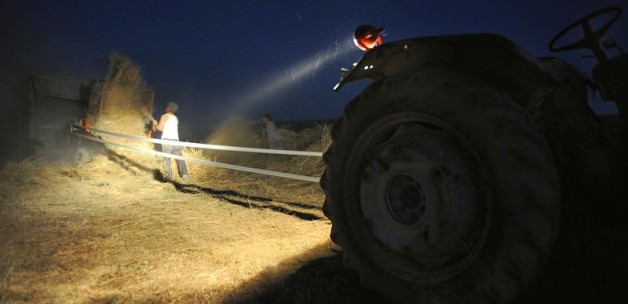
{"x":523,"y":180}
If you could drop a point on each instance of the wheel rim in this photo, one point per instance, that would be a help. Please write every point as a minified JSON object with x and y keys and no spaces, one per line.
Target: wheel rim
{"x":423,"y":197}
{"x":405,"y":200}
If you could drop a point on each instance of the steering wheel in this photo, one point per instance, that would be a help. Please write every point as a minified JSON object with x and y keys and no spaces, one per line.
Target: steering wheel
{"x":591,"y":39}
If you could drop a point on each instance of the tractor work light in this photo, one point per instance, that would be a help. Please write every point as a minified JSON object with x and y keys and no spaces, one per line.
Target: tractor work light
{"x":366,"y":37}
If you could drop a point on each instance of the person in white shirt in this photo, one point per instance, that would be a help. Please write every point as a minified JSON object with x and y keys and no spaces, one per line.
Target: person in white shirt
{"x":169,"y":126}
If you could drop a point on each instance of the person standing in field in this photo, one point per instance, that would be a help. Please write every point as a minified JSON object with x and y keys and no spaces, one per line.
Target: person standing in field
{"x":270,"y":132}
{"x":169,"y":126}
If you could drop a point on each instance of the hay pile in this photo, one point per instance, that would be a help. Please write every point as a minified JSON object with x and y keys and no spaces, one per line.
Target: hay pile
{"x":122,"y":109}
{"x":239,"y":133}
{"x":124,"y":106}
{"x":317,"y":138}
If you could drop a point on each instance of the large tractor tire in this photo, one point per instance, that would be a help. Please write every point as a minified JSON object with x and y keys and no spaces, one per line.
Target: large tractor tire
{"x":440,"y":189}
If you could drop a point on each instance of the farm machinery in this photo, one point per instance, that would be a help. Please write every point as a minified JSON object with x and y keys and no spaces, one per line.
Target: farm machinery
{"x":467,"y":163}
{"x":44,"y":107}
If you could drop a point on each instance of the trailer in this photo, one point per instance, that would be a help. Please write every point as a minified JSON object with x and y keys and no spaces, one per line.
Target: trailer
{"x":43,"y":107}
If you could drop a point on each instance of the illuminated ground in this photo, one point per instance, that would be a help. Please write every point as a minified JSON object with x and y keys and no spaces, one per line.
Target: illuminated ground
{"x":99,"y":232}
{"x":109,"y":232}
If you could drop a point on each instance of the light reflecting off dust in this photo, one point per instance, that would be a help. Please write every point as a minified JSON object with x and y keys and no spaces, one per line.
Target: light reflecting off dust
{"x":262,"y":93}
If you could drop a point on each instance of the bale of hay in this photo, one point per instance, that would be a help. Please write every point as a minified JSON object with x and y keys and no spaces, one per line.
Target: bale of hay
{"x":122,"y":108}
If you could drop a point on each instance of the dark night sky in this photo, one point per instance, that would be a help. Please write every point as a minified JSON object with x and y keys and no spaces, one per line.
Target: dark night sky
{"x":212,"y":56}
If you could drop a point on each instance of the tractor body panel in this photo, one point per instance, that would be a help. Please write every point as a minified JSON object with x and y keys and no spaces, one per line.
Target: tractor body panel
{"x":489,"y":57}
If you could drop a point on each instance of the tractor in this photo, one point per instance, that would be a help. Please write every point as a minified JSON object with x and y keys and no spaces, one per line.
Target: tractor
{"x":467,"y":164}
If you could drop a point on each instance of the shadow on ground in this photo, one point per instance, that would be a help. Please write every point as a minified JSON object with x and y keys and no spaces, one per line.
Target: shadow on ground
{"x":301,"y":210}
{"x":290,"y":208}
{"x":599,"y":276}
{"x":322,"y":278}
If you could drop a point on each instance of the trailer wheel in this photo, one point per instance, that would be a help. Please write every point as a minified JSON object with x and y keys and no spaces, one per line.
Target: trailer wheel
{"x":440,"y":189}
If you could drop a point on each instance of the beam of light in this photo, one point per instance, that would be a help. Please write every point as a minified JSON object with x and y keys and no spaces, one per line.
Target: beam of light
{"x":263,"y":92}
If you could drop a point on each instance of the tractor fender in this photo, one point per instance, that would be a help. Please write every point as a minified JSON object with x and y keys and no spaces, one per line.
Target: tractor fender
{"x":491,"y":58}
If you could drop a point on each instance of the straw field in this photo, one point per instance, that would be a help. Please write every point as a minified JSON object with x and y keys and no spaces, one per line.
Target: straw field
{"x":110,"y":230}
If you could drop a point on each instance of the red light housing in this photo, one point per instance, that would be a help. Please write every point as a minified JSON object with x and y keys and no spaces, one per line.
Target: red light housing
{"x":366,"y":37}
